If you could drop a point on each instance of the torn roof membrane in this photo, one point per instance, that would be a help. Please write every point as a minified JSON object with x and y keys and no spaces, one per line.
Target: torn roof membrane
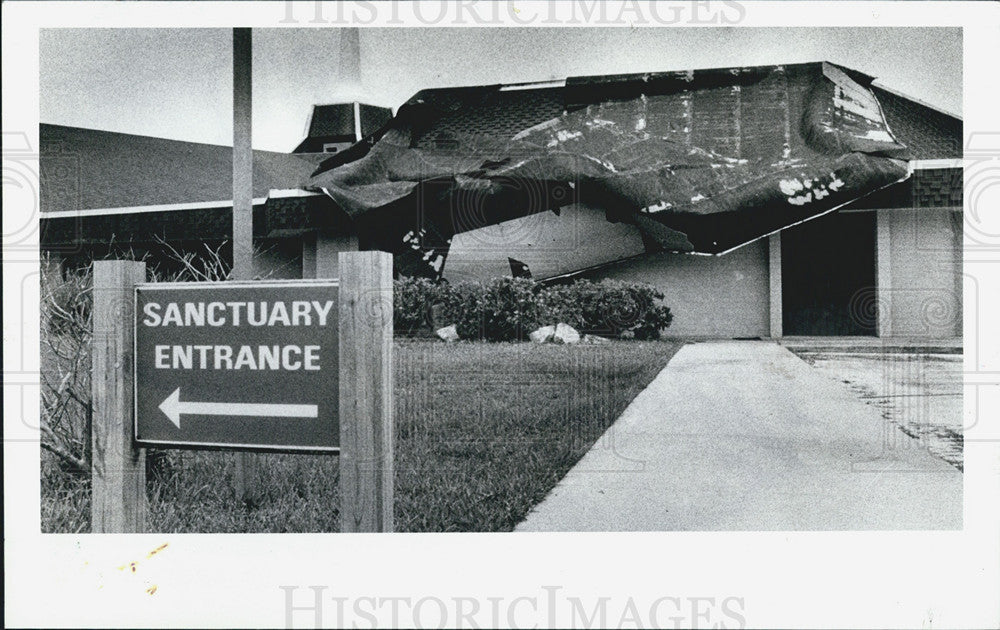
{"x":700,"y":161}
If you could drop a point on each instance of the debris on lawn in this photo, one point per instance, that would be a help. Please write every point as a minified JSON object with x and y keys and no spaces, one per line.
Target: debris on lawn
{"x":565,"y":334}
{"x":560,"y":333}
{"x":448,"y":333}
{"x":542,"y":334}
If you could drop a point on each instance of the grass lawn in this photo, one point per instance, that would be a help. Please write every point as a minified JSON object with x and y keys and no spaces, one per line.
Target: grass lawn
{"x":483,"y":432}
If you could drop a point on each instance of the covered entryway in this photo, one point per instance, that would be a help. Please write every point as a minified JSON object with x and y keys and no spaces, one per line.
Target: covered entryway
{"x":828,"y":282}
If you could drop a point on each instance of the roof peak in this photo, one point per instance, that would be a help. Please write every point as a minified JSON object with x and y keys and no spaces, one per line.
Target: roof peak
{"x":562,"y":82}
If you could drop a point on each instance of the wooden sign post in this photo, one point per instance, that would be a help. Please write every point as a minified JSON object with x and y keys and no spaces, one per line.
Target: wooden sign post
{"x":293,"y":366}
{"x":118,"y":467}
{"x":366,"y":384}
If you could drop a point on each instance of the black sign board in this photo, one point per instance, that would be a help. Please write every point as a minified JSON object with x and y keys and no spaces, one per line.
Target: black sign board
{"x":237,"y":365}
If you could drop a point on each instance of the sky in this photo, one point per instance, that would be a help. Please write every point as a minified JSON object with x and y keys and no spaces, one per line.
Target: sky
{"x":177,"y":83}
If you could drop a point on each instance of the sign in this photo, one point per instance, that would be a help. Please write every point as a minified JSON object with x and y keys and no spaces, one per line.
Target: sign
{"x":237,"y":365}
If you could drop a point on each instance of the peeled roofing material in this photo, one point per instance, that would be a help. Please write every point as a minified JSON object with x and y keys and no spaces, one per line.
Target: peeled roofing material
{"x":700,"y":161}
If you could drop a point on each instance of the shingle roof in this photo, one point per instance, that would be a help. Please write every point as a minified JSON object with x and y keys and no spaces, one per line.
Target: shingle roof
{"x":89,"y":168}
{"x":489,"y":111}
{"x":929,"y":133}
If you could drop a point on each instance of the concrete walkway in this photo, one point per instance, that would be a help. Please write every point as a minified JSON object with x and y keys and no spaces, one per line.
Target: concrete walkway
{"x":744,"y":435}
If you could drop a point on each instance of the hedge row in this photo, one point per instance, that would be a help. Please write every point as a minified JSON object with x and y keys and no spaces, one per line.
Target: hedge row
{"x":507,"y":309}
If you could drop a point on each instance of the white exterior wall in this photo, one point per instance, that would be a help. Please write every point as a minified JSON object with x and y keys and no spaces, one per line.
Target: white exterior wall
{"x":709,"y":296}
{"x":920,"y":273}
{"x":919,"y":270}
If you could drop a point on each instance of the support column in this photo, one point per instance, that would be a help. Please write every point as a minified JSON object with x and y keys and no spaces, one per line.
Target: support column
{"x":309,"y":256}
{"x":774,"y":267}
{"x":883,"y":272}
{"x":320,"y":251}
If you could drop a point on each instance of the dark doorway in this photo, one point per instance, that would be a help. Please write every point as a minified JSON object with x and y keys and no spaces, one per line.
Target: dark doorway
{"x":828,"y":276}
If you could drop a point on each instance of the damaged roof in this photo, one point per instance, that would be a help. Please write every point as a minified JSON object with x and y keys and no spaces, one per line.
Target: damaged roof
{"x":699,"y":161}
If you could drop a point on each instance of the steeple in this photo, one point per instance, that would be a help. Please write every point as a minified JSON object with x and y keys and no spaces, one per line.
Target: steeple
{"x":349,"y":86}
{"x":347,"y":118}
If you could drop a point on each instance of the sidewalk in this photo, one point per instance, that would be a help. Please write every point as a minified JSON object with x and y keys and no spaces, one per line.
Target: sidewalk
{"x":744,"y":435}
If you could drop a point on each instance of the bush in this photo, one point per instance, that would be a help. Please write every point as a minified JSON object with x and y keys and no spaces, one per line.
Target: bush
{"x":459,"y":304}
{"x":609,"y":308}
{"x":625,"y":309}
{"x":66,"y":303}
{"x":565,"y":303}
{"x":65,"y":352}
{"x":507,"y":309}
{"x":503,"y":309}
{"x":66,"y":411}
{"x":413,"y":301}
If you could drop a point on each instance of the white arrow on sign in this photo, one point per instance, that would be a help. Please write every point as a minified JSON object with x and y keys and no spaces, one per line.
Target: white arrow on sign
{"x":172,"y":407}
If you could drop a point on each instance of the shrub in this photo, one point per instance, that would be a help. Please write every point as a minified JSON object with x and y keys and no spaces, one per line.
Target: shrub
{"x":503,"y":309}
{"x":506,"y":309}
{"x":66,"y":303}
{"x":460,"y":304}
{"x":564,"y":303}
{"x":65,"y":343}
{"x":609,"y":308}
{"x":413,"y":301}
{"x":66,"y":411}
{"x":624,"y":309}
